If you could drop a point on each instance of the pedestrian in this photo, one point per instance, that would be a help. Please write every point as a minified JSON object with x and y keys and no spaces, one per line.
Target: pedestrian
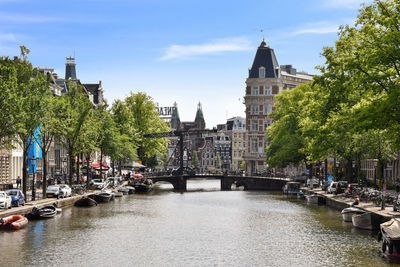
{"x":18,"y":182}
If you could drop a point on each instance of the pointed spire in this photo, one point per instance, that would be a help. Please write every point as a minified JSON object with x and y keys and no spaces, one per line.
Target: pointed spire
{"x":199,"y":114}
{"x":175,"y":120}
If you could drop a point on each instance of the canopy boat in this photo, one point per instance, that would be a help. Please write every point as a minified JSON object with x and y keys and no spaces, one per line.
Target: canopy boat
{"x":348,"y":213}
{"x":13,"y":222}
{"x":85,"y":202}
{"x":367,"y":220}
{"x":291,"y":188}
{"x":390,"y":235}
{"x":42,"y":213}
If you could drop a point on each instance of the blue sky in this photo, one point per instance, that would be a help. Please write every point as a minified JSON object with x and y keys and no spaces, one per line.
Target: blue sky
{"x":174,"y":50}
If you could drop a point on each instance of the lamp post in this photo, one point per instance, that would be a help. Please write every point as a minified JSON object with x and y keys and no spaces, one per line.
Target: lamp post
{"x":33,"y":164}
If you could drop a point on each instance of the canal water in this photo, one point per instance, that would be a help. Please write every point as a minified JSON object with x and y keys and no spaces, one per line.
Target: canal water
{"x":201,"y":227}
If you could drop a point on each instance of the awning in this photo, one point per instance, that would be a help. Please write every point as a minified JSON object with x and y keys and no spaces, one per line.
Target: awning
{"x":103,"y":166}
{"x":137,"y":175}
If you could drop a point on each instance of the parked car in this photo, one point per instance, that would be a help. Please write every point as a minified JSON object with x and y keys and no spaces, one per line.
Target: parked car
{"x":17,"y":197}
{"x":332,"y":188}
{"x":97,"y":184}
{"x":65,"y":190}
{"x":53,"y":191}
{"x":326,"y":184}
{"x":341,"y":187}
{"x":5,"y":200}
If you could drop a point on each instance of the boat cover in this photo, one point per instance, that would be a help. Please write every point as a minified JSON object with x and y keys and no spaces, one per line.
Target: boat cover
{"x":353,"y":210}
{"x":391,"y":228}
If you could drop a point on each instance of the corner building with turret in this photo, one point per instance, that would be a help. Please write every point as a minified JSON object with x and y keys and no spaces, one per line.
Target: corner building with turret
{"x":266,"y":79}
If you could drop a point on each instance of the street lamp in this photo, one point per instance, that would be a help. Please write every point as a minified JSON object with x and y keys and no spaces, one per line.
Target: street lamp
{"x":33,"y":164}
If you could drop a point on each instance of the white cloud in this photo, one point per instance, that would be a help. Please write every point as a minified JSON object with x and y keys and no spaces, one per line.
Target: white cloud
{"x":213,"y":47}
{"x":7,"y":37}
{"x":350,"y":4}
{"x":322,"y":27}
{"x":25,"y":18}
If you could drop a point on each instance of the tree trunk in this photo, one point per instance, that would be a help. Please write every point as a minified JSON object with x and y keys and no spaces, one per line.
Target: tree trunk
{"x":24,"y":171}
{"x":349,"y":170}
{"x":101,"y":164}
{"x":88,"y":178}
{"x":358,"y":166}
{"x":77,"y":167}
{"x":326,"y":169}
{"x":120,"y":167}
{"x":44,"y":177}
{"x":113,"y":168}
{"x":334,"y":169}
{"x":71,"y":165}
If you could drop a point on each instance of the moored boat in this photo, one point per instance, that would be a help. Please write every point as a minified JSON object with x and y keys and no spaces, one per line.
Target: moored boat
{"x":85,"y":202}
{"x":124,"y":190}
{"x":102,"y":197}
{"x":118,"y":194}
{"x":42,"y":213}
{"x":367,"y":220}
{"x":13,"y":222}
{"x":390,"y":236}
{"x":142,"y":185}
{"x":291,"y":188}
{"x":348,"y":213}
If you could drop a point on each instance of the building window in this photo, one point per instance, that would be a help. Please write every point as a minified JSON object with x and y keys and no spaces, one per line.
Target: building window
{"x":254,"y":90}
{"x":267,"y":108}
{"x":254,"y":125}
{"x":254,"y":145}
{"x":268,"y":90}
{"x":261,"y":72}
{"x":254,"y":109}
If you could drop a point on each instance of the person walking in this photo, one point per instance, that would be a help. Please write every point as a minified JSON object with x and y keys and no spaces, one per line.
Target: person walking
{"x":18,"y":182}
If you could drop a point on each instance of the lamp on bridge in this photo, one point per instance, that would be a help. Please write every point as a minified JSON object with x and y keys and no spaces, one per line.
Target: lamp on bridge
{"x":33,"y":164}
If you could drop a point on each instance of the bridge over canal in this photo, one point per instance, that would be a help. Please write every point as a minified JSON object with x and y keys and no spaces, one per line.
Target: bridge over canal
{"x":248,"y":182}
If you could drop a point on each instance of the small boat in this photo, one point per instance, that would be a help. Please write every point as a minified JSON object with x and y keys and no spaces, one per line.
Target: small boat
{"x":291,"y":188}
{"x":14,"y":222}
{"x":348,"y":213}
{"x":118,"y":194}
{"x":42,"y":213}
{"x":85,"y":202}
{"x":300,"y":194}
{"x":367,"y":220}
{"x":312,"y":199}
{"x":142,"y":185}
{"x":124,"y":190}
{"x":131,"y":189}
{"x":109,"y":192}
{"x":390,"y":235}
{"x":101,"y":197}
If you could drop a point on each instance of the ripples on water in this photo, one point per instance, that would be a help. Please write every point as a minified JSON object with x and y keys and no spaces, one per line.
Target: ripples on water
{"x":201,"y":227}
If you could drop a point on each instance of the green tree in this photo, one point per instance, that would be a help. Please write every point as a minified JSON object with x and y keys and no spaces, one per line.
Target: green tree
{"x":146,"y":121}
{"x":8,"y":85}
{"x":218,"y":162}
{"x":30,"y":89}
{"x":75,"y":110}
{"x":195,"y":160}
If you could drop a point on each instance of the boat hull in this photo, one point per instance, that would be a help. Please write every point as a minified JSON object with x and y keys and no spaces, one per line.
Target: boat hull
{"x":347,"y":213}
{"x":42,"y":213}
{"x":85,"y":202}
{"x":367,"y":220}
{"x":14,"y":222}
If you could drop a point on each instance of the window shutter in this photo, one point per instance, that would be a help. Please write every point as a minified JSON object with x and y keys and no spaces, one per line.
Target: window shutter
{"x":275,"y":90}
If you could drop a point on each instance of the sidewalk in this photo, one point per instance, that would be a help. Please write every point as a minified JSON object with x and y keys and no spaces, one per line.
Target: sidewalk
{"x":347,"y":202}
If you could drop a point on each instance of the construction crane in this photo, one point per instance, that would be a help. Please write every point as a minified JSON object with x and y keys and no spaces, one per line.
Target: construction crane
{"x":180,"y":134}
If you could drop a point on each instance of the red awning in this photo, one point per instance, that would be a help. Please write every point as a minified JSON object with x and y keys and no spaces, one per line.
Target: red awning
{"x":137,"y":175}
{"x":103,"y":166}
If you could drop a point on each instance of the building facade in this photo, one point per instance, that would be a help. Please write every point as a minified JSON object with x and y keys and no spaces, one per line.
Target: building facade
{"x":266,"y":79}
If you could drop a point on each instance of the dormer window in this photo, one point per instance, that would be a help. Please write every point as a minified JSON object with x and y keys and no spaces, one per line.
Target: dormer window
{"x":261,"y":72}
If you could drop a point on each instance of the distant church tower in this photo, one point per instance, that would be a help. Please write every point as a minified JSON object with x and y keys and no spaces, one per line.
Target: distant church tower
{"x":70,"y":71}
{"x":175,"y":120}
{"x":199,"y":120}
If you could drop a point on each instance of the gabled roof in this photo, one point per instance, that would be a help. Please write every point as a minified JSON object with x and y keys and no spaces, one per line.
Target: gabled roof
{"x":265,"y":57}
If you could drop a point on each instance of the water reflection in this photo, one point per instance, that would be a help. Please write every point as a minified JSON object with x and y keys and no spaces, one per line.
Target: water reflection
{"x":201,"y":227}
